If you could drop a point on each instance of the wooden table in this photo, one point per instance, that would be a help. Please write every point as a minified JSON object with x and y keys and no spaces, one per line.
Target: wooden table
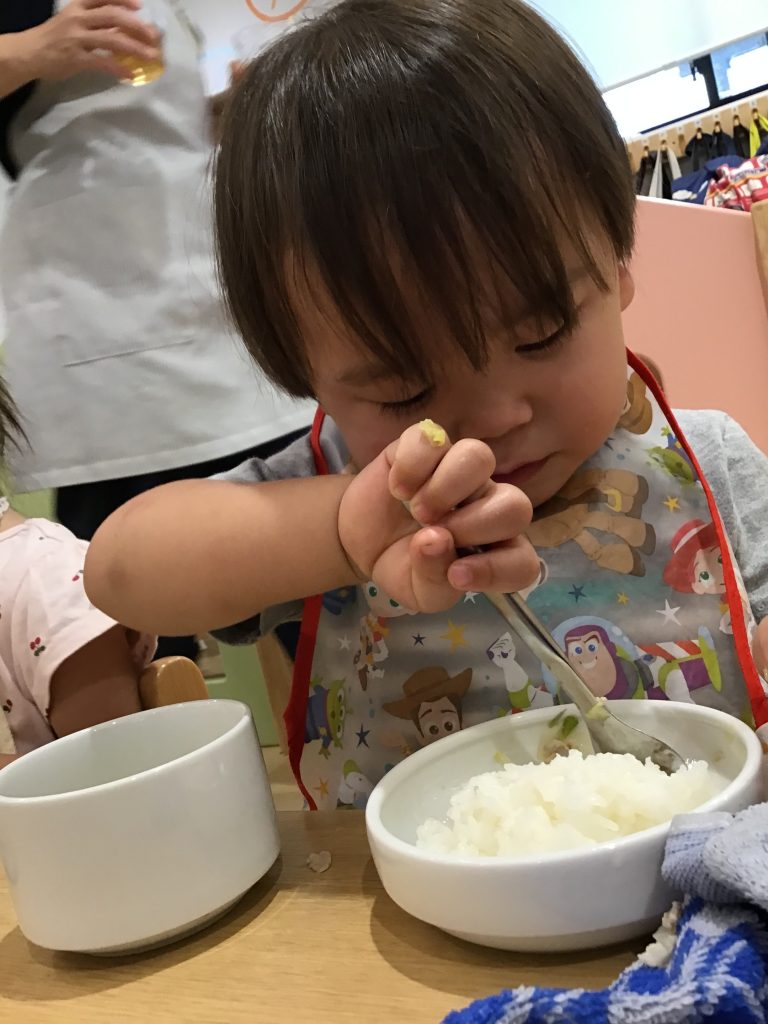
{"x":300,"y":948}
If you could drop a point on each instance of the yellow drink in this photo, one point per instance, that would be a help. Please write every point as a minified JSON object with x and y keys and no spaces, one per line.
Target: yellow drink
{"x":139,"y":71}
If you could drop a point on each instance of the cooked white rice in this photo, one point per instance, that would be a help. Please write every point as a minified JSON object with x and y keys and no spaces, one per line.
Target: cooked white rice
{"x":574,"y":801}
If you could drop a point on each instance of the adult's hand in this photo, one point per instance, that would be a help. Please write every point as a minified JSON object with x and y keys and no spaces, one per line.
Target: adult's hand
{"x":84,"y":36}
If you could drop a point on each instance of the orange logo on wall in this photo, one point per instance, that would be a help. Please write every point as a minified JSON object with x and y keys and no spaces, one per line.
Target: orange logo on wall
{"x":276,"y":10}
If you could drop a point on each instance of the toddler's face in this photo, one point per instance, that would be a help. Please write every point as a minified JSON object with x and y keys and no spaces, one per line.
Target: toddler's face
{"x":542,"y":407}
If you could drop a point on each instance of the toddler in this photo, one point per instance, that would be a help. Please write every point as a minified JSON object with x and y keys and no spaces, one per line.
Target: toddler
{"x":63,"y":664}
{"x":425,"y":211}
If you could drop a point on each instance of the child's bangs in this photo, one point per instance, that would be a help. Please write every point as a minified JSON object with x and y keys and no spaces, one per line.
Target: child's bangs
{"x":460,"y":267}
{"x":431,"y":252}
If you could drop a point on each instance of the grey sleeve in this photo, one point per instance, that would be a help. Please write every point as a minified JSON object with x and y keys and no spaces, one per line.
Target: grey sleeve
{"x":295,"y":461}
{"x":737,"y":472}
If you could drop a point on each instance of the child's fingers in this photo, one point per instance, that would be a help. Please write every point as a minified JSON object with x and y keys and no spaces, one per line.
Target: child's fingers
{"x":509,"y":567}
{"x":413,"y":458}
{"x":432,"y":552}
{"x":501,"y":514}
{"x":463,"y":472}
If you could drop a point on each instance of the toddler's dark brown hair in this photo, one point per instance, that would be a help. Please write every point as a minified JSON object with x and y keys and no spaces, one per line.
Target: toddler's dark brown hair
{"x":392,"y":157}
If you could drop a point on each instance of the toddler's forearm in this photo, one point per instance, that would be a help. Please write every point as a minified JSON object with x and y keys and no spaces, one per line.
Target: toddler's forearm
{"x":203,"y":554}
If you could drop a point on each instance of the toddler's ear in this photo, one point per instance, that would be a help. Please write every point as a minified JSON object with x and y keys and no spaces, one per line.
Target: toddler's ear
{"x":626,"y":287}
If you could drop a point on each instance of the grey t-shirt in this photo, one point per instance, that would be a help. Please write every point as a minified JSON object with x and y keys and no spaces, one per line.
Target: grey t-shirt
{"x":735,"y":468}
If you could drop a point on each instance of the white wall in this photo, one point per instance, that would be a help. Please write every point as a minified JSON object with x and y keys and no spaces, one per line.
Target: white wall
{"x":221,"y":20}
{"x":620,"y":40}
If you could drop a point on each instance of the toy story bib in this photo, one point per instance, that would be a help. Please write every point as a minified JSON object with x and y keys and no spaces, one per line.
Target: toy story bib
{"x":637,"y":584}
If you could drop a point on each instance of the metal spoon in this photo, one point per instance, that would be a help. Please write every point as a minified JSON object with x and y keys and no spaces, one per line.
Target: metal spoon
{"x":608,"y":733}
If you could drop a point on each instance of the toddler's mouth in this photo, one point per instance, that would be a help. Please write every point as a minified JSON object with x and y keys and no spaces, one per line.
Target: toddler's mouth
{"x":519,"y":474}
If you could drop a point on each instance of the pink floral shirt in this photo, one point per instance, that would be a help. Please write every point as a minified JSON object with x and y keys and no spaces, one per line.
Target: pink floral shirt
{"x":45,"y":617}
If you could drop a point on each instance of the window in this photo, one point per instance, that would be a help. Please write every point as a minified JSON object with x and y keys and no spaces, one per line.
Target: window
{"x":730,"y":72}
{"x":741,"y":67}
{"x":663,"y":96}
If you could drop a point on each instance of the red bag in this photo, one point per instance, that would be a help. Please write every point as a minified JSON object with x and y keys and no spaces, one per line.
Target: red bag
{"x":738,"y":188}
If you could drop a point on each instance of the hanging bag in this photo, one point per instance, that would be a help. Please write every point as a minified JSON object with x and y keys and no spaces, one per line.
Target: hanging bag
{"x":657,"y":180}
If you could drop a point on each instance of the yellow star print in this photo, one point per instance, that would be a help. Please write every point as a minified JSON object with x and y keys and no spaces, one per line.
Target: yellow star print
{"x":622,"y":598}
{"x":454,"y":635}
{"x":673,"y":504}
{"x":322,"y":789}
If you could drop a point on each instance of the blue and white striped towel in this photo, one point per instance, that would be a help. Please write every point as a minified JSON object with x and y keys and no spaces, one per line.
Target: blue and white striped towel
{"x":718,"y":970}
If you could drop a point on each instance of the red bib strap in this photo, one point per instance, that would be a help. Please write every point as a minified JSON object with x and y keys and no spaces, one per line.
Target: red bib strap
{"x":296,"y":712}
{"x":757,"y":698}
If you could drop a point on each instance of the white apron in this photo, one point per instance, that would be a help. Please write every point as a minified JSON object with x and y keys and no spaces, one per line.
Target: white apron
{"x":117,"y":351}
{"x":638,"y":585}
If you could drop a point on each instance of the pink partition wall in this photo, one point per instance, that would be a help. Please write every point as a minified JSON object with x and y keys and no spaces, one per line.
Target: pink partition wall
{"x":699,"y":312}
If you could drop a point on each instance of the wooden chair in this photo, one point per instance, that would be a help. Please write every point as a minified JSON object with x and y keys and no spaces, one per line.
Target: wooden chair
{"x":167,"y":681}
{"x":171,"y":681}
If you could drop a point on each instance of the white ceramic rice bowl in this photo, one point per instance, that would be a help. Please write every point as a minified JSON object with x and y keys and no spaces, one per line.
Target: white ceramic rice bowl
{"x":557,"y":901}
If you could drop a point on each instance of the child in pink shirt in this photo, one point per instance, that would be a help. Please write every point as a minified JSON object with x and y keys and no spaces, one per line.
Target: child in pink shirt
{"x":64,"y":665}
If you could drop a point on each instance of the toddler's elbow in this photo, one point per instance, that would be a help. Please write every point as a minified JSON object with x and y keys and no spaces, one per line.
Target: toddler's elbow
{"x":105,"y":576}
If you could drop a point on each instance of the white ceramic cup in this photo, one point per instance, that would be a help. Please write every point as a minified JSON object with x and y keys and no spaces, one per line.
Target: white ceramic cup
{"x":137,"y":831}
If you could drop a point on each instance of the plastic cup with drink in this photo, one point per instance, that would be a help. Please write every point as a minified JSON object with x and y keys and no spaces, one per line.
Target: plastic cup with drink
{"x":140,"y":71}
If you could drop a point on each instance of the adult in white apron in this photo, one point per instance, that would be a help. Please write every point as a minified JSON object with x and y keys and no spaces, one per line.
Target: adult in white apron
{"x":117,"y":350}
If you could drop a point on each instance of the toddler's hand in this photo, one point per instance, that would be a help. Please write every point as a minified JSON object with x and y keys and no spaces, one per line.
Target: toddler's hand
{"x":454,"y":503}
